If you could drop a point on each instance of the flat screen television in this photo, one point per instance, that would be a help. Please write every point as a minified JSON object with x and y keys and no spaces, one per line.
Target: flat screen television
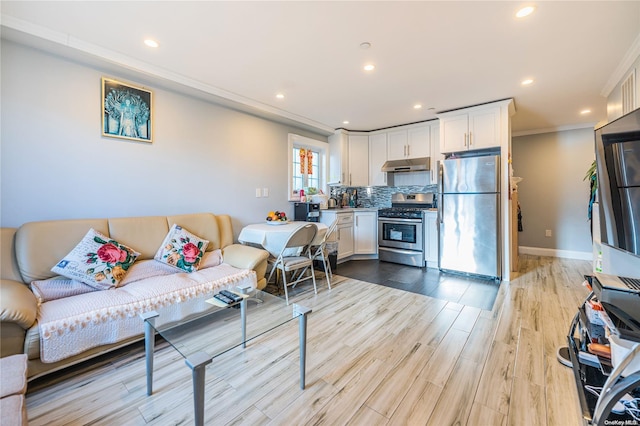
{"x":618,"y":173}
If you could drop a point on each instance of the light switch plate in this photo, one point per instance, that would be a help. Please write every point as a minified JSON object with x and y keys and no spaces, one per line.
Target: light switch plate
{"x":258,"y":193}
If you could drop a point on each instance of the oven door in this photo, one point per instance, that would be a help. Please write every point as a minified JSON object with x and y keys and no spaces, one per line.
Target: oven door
{"x":400,"y":233}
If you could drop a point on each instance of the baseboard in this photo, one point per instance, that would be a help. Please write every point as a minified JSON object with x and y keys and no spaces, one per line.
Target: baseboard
{"x":568,"y":254}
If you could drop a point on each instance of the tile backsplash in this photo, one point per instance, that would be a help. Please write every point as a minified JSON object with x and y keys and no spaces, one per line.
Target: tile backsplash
{"x":377,"y":196}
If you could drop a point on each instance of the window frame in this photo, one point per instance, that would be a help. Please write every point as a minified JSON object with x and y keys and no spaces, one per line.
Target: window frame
{"x":322,"y":147}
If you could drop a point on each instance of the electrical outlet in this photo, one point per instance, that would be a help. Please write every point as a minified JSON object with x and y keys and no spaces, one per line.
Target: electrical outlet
{"x":258,"y":193}
{"x":265,"y":192}
{"x":547,"y":233}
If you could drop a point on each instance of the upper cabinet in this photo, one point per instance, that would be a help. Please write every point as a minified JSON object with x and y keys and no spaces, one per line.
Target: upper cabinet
{"x":470,"y":129}
{"x":377,"y":157}
{"x":412,"y":142}
{"x":339,"y":158}
{"x":358,"y":160}
{"x":348,"y":159}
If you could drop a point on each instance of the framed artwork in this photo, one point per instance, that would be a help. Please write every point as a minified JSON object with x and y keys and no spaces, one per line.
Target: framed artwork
{"x":126,"y":111}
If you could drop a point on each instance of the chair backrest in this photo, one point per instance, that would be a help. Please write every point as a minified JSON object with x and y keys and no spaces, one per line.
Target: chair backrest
{"x":332,"y":228}
{"x":303,"y":236}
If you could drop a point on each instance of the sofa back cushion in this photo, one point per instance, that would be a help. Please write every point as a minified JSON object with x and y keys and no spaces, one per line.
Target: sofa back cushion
{"x":143,"y":234}
{"x":41,"y":245}
{"x":203,"y":225}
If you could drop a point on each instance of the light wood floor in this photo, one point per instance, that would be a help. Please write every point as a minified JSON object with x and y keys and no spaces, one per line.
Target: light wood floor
{"x":376,"y":356}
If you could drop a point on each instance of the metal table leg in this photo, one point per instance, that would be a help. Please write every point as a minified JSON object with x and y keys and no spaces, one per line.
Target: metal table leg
{"x":149,"y":319}
{"x":197,"y":363}
{"x":302,"y":312}
{"x":244,"y":289}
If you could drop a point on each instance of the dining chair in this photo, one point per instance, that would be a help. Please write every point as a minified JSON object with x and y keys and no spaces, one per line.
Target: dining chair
{"x":319,"y":252}
{"x":301,"y":261}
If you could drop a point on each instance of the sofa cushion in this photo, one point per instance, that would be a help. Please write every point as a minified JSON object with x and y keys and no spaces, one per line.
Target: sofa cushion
{"x":181,"y":249}
{"x":211,"y":259}
{"x":97,"y":261}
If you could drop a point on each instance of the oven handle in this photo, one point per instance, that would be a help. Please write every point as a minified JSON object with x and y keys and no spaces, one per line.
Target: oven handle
{"x":398,"y":220}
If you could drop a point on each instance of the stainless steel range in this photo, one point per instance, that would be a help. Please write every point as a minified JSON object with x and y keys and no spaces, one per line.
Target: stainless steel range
{"x":401,"y":228}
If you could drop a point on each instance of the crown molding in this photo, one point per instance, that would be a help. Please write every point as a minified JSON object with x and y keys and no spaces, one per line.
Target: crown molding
{"x":623,"y":67}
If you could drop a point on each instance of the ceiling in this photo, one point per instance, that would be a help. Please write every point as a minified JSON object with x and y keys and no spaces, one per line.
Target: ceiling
{"x":442,"y":55}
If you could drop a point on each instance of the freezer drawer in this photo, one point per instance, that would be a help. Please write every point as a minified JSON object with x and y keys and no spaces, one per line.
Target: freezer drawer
{"x":469,"y":234}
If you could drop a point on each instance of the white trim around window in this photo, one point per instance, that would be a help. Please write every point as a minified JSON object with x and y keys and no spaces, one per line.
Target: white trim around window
{"x":297,"y":141}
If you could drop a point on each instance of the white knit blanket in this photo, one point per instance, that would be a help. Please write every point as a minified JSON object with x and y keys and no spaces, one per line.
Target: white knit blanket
{"x":75,"y":324}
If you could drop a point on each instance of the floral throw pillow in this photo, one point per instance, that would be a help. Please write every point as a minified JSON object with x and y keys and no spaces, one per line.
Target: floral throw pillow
{"x":182,"y":249}
{"x":97,"y":261}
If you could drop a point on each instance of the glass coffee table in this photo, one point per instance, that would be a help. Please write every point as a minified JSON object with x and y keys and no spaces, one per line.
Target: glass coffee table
{"x":217,"y":328}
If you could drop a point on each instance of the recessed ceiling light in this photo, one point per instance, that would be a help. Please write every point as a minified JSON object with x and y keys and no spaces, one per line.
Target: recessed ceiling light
{"x":369,"y":67}
{"x":345,"y":122}
{"x":527,"y":82}
{"x":417,"y":106}
{"x":151,"y":43}
{"x":280,"y":96}
{"x":525,"y":11}
{"x":365,"y":45}
{"x":585,"y":111}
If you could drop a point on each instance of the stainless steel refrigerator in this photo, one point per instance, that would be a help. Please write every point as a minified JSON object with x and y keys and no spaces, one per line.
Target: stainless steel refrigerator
{"x":469,"y":216}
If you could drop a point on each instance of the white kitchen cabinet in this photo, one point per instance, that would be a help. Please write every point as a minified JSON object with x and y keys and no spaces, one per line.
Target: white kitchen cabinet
{"x":338,"y":158}
{"x":358,"y":160}
{"x":344,"y":230}
{"x":397,"y":144}
{"x":470,"y":129}
{"x":348,"y":159}
{"x":418,"y":141}
{"x":431,"y":239}
{"x":344,"y":233}
{"x":435,"y":154}
{"x":377,"y":157}
{"x":365,"y":232}
{"x":410,"y":142}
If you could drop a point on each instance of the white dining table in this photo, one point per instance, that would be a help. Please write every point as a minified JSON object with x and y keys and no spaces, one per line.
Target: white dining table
{"x":273,"y":237}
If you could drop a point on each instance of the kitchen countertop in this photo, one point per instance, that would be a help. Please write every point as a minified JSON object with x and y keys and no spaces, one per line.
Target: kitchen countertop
{"x":351,"y":209}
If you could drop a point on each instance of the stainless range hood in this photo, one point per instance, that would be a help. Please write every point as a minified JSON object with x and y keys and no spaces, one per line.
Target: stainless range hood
{"x":409,"y":165}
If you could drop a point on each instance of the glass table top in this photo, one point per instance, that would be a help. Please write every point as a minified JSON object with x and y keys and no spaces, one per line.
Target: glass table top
{"x":214,"y":328}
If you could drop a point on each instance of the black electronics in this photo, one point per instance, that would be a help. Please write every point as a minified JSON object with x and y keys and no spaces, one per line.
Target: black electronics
{"x":306,"y":212}
{"x":621,"y":292}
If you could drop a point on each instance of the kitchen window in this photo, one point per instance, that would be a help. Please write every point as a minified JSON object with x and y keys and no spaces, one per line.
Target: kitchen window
{"x":307,"y":164}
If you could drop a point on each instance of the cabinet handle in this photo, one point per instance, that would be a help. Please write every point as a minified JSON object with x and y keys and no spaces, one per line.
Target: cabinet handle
{"x":470,"y":139}
{"x":408,"y":150}
{"x":465,"y":139}
{"x":349,"y":179}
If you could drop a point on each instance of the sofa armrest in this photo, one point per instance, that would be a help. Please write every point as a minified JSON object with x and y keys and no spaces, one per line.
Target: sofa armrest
{"x":244,"y":257}
{"x":17,"y":304}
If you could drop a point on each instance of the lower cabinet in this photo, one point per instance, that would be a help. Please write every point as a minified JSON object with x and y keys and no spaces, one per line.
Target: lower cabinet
{"x":345,"y":235}
{"x":431,"y":239}
{"x":356,"y":231}
{"x":365,"y":232}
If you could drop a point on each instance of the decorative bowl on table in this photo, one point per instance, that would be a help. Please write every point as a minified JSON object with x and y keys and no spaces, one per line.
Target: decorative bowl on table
{"x":277,"y":218}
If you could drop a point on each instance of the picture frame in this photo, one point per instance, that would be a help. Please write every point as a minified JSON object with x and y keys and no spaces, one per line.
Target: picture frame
{"x":127,"y":111}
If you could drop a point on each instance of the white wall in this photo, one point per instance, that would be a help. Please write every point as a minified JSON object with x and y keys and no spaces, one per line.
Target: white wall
{"x":56,"y":165}
{"x":553,"y":194}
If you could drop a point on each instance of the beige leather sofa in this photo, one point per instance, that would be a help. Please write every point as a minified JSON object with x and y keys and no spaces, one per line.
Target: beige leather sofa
{"x":29,"y":252}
